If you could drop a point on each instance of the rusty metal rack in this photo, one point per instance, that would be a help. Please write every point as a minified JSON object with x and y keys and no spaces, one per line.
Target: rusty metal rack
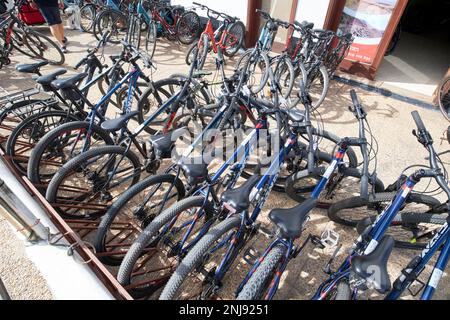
{"x":75,"y":232}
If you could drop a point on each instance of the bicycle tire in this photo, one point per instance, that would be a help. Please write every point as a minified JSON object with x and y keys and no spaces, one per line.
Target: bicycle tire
{"x":444,"y":97}
{"x":240,"y":28}
{"x":283,"y":63}
{"x":13,"y":139}
{"x":151,"y":39}
{"x":151,"y":231}
{"x":262,"y":59}
{"x":356,"y":202}
{"x":117,"y":206}
{"x":34,"y":41}
{"x":36,"y":163}
{"x":195,"y":256}
{"x":74,"y":164}
{"x":263,"y":275}
{"x":120,"y":17}
{"x":89,"y":11}
{"x":195,"y":29}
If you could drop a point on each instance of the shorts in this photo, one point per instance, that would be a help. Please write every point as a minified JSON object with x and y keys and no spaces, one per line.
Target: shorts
{"x":51,"y":15}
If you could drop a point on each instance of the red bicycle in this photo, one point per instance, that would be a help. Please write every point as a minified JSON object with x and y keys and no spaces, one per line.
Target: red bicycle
{"x":229,"y":37}
{"x":175,"y":22}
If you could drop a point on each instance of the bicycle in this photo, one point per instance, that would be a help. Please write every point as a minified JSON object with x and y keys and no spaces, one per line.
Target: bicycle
{"x":236,"y":222}
{"x":262,"y":281}
{"x":36,"y":124}
{"x":366,"y":265}
{"x":26,"y":40}
{"x":229,"y":37}
{"x":67,"y":140}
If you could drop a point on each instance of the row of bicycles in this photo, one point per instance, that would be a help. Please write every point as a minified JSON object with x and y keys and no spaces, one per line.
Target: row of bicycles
{"x":177,"y":173}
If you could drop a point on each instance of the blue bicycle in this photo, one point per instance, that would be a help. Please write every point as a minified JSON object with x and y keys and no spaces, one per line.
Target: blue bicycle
{"x":203,"y":271}
{"x":264,"y":277}
{"x":366,"y":265}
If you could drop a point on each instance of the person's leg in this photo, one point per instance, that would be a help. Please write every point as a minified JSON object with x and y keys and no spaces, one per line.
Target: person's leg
{"x":53,"y":18}
{"x":57,"y":31}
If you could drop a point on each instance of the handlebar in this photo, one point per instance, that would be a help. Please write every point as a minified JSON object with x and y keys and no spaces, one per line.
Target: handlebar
{"x":424,"y":137}
{"x":279,"y":22}
{"x":360,"y":114}
{"x":217,"y":13}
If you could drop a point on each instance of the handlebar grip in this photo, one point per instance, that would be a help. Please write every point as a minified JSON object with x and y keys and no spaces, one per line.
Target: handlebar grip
{"x":418,"y":121}
{"x":310,"y":161}
{"x":354,"y":98}
{"x":364,"y":187}
{"x":80,"y":63}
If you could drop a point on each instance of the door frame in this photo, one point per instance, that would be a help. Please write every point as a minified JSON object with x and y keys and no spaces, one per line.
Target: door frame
{"x":332,"y":20}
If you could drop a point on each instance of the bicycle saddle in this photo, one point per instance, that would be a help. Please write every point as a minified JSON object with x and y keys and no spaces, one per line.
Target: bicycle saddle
{"x":68,"y":83}
{"x":239,"y":198}
{"x":304,"y":24}
{"x":290,"y":221}
{"x":373,"y":266}
{"x":46,"y":80}
{"x":195,"y":170}
{"x":296,"y":115}
{"x":116,"y":124}
{"x":31,"y":67}
{"x":163,"y":143}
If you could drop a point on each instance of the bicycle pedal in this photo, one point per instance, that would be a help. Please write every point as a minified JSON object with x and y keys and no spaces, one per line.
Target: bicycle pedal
{"x":251,"y":255}
{"x":416,"y":292}
{"x":330,"y":239}
{"x":268,"y":233}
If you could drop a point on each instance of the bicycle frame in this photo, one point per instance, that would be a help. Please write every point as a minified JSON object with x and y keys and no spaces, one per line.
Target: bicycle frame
{"x":157,"y":16}
{"x":379,"y":228}
{"x":289,"y":243}
{"x":246,"y":148}
{"x":211,"y":34}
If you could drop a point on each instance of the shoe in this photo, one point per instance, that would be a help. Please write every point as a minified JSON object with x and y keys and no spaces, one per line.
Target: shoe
{"x":65,"y":41}
{"x":64,"y":49}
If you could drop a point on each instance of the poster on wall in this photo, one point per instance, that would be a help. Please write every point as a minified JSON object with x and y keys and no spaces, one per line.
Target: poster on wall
{"x":367,"y":20}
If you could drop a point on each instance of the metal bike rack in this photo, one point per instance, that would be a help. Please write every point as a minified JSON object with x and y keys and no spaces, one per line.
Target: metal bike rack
{"x":73,"y":231}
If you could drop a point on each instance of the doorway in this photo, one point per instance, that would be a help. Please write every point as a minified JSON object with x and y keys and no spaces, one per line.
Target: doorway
{"x":419,"y":54}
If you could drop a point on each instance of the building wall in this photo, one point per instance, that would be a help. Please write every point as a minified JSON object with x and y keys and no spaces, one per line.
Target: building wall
{"x":235,"y":8}
{"x":312,"y":11}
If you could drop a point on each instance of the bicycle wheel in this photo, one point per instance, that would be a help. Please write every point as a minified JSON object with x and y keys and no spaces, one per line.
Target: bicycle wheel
{"x":23,"y":139}
{"x":300,"y":185}
{"x":258,"y":69}
{"x":88,"y":184}
{"x":284,"y":74}
{"x":134,"y":32}
{"x":326,"y":144}
{"x":158,"y":246}
{"x":259,"y":282}
{"x":113,"y":21}
{"x":444,"y":98}
{"x":317,"y":84}
{"x":43,"y":47}
{"x":135,"y":209}
{"x":87,"y":17}
{"x":18,"y":43}
{"x":349,"y":212}
{"x":13,"y":115}
{"x":203,"y":49}
{"x":151,"y":39}
{"x":60,"y":145}
{"x":188,"y":27}
{"x":234,"y":39}
{"x":192,"y":278}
